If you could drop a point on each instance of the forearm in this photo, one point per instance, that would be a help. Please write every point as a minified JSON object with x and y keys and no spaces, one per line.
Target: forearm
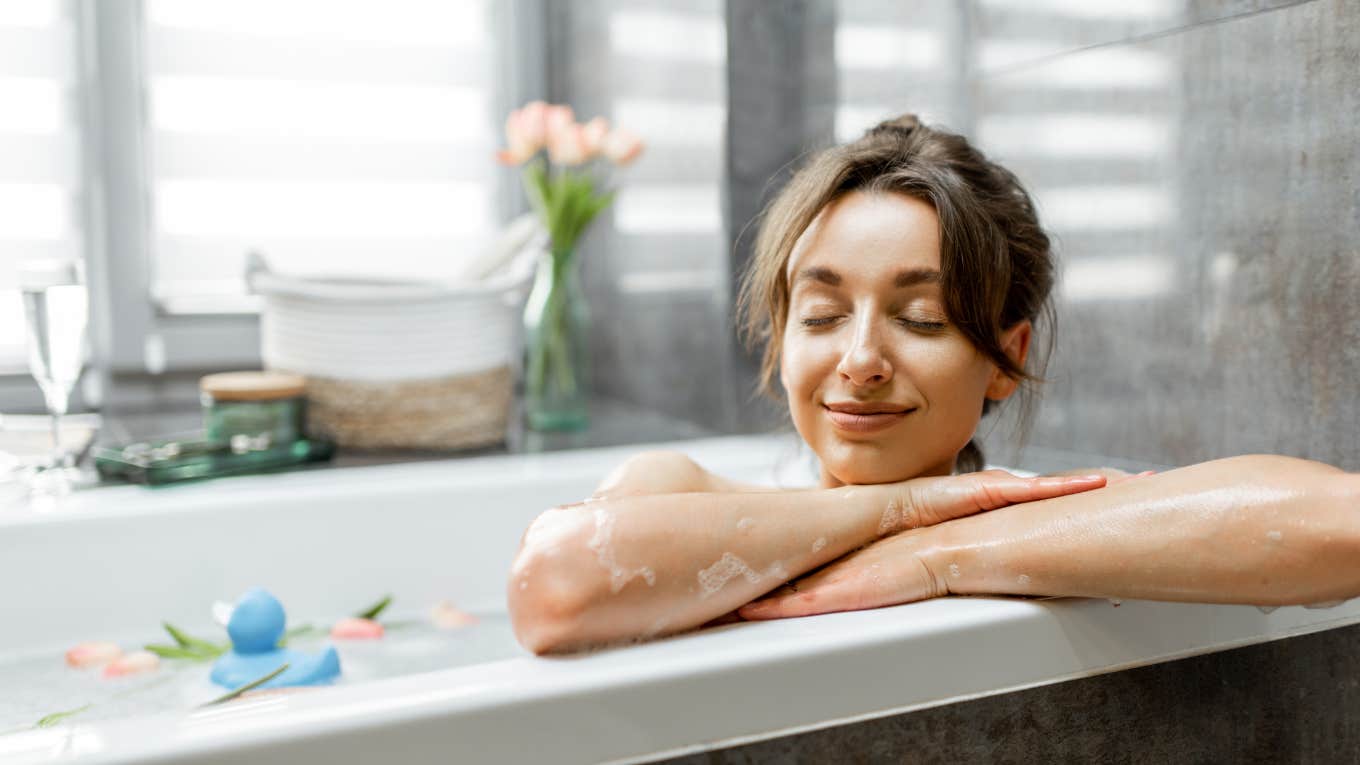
{"x":641,"y":566}
{"x":1256,"y":529}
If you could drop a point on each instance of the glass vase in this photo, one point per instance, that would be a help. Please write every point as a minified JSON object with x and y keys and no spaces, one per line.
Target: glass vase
{"x":557,"y":363}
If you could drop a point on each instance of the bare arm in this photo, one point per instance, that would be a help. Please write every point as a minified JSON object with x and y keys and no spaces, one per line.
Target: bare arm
{"x":1258,"y":529}
{"x":644,"y":565}
{"x":627,"y":566}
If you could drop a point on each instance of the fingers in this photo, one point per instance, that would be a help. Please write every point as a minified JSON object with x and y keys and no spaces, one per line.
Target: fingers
{"x":935,"y":500}
{"x":787,"y":602}
{"x":855,"y":583}
{"x":991,"y":492}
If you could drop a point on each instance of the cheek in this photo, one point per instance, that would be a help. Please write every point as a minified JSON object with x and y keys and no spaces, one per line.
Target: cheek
{"x":796,"y":368}
{"x":801,"y":371}
{"x":956,"y":377}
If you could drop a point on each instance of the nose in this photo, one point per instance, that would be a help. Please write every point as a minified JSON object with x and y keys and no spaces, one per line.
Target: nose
{"x":864,"y":362}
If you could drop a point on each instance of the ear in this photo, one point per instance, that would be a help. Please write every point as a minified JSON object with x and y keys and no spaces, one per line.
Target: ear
{"x":1015,"y":342}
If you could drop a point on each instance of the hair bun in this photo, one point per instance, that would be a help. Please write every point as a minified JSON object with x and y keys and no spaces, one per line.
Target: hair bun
{"x":902,"y":124}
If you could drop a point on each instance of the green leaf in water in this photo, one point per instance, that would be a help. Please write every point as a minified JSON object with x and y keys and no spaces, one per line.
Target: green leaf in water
{"x":197,"y":644}
{"x":229,"y":695}
{"x":57,"y":717}
{"x":372,"y":611}
{"x":177,"y":652}
{"x":302,"y":630}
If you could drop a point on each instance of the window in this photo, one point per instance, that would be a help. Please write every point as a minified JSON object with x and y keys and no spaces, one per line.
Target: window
{"x":327,"y":135}
{"x":40,"y":175}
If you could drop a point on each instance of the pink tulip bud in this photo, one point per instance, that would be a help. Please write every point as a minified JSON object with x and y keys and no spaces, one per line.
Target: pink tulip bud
{"x":92,"y":654}
{"x":534,"y":123}
{"x":356,"y":628}
{"x":621,"y":146}
{"x":556,"y":118}
{"x":134,"y":663}
{"x":446,"y":617}
{"x":567,"y":146}
{"x":593,"y":133}
{"x":524,"y":134}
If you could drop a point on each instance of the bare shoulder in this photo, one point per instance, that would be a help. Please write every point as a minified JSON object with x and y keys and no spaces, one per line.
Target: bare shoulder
{"x":667,"y":472}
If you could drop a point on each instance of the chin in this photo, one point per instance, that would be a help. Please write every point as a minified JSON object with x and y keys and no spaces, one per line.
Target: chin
{"x":860,"y":474}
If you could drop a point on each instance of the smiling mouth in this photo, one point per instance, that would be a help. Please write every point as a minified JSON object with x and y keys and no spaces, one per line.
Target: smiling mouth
{"x":865,"y":423}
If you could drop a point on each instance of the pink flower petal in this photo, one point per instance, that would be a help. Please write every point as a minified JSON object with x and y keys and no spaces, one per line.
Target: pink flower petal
{"x":446,"y":617}
{"x":621,"y":146}
{"x":355,"y":628}
{"x":567,"y":146}
{"x":557,"y":118}
{"x":534,"y":123}
{"x":134,"y":663}
{"x":593,"y":134}
{"x":93,"y":654}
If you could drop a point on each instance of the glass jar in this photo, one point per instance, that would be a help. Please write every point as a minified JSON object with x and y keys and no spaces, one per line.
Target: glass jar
{"x":256,"y":410}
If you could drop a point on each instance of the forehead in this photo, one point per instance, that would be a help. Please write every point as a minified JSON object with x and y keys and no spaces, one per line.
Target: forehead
{"x":869,"y":235}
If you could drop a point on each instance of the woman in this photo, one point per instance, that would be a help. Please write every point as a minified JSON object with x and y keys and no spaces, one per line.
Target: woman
{"x":896,"y":283}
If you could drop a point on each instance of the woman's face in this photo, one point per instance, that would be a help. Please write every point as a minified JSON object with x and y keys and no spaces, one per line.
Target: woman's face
{"x":880,"y":384}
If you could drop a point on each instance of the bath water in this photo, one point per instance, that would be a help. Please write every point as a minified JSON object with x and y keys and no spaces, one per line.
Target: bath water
{"x":39,"y":684}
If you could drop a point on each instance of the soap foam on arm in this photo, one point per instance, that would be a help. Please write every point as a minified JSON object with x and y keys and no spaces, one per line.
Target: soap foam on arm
{"x":630,"y":567}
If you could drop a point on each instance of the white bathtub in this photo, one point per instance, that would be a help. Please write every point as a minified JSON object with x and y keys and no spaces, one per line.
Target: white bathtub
{"x":112,"y":563}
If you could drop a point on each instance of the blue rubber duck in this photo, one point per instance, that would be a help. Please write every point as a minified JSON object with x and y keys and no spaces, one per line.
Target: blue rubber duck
{"x":255,"y":627}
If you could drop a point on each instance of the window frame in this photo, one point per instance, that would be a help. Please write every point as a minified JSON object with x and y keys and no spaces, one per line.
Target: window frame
{"x":131,"y":329}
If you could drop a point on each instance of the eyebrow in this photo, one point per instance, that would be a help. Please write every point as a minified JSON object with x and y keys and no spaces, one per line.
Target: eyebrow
{"x":908,"y":278}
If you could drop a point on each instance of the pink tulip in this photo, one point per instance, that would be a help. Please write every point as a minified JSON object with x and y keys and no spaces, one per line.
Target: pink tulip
{"x":593,"y":134}
{"x":525,"y":132}
{"x":621,"y":146}
{"x":556,"y":118}
{"x":356,"y":628}
{"x":134,"y":663}
{"x":533,"y":124}
{"x":567,"y":145}
{"x":446,"y":617}
{"x":92,"y":654}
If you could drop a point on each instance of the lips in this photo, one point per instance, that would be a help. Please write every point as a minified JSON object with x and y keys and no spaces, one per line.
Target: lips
{"x":865,"y":418}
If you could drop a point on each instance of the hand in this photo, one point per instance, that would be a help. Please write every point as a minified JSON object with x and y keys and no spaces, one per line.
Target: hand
{"x":885,"y":573}
{"x":891,"y":571}
{"x":932,"y":500}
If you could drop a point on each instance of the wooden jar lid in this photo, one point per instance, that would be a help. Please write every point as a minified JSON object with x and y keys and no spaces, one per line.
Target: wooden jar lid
{"x":252,"y":386}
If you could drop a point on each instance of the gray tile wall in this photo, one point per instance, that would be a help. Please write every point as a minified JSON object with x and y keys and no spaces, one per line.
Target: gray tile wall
{"x":1209,"y":305}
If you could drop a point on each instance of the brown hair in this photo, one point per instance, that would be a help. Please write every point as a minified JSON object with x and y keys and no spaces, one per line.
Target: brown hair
{"x":996,"y":265}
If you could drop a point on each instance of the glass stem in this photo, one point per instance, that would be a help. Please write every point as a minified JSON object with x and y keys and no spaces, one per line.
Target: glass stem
{"x":58,"y":455}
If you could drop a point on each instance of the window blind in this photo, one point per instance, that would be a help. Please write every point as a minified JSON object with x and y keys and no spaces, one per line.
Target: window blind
{"x":1091,"y":131}
{"x":337,"y":137}
{"x":893,"y":58}
{"x":667,"y":82}
{"x":40,"y":177}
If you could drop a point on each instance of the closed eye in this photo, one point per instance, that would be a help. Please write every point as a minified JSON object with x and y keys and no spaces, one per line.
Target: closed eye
{"x":819,"y":322}
{"x":822,"y":321}
{"x":933,"y":326}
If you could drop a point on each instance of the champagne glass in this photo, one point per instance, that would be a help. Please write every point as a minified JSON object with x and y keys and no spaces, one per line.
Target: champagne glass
{"x":56,"y":310}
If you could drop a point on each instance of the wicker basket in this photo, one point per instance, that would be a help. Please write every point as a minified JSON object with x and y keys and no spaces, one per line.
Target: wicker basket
{"x":405,"y":365}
